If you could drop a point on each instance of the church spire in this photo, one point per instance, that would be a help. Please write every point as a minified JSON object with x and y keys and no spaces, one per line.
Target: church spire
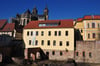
{"x":35,"y":11}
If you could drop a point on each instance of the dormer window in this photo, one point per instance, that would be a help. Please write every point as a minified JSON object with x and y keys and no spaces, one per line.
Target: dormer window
{"x":48,"y":24}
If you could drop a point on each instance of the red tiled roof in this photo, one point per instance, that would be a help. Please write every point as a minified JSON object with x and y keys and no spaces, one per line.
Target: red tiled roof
{"x":79,"y":19}
{"x":68,"y":23}
{"x":96,"y":16}
{"x":2,"y":22}
{"x":8,"y":27}
{"x":89,"y":17}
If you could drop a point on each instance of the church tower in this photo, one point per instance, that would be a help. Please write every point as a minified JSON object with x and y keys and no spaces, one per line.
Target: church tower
{"x":46,"y":13}
{"x":34,"y":11}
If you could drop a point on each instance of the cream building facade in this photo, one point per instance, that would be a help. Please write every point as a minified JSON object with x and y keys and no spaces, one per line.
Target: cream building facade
{"x":54,"y":37}
{"x":89,"y":27}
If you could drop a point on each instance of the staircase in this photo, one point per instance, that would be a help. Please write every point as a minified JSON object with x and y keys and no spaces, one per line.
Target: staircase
{"x":18,"y":36}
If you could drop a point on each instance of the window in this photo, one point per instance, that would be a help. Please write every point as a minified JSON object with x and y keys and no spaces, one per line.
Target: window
{"x":29,"y":42}
{"x":93,"y":35}
{"x":47,"y":53}
{"x":54,"y":43}
{"x":81,"y":31}
{"x":93,"y":25}
{"x":61,"y":53}
{"x":42,"y":33}
{"x":59,"y":33}
{"x":90,"y":54}
{"x":53,"y":52}
{"x":55,"y":33}
{"x":36,"y":33}
{"x":42,"y":42}
{"x":98,"y":25}
{"x":31,"y":33}
{"x":48,"y":42}
{"x":49,"y":33}
{"x":66,"y":33}
{"x":67,"y":43}
{"x":27,"y":21}
{"x":76,"y":53}
{"x":88,"y":35}
{"x":83,"y":54}
{"x":36,"y":42}
{"x":28,"y":33}
{"x":88,"y":25}
{"x":24,"y":22}
{"x":48,"y":24}
{"x":60,"y":43}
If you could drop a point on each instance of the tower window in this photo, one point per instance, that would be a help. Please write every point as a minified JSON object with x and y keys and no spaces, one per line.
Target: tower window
{"x":24,"y":22}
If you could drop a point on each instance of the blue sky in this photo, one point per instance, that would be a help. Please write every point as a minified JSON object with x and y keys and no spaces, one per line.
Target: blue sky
{"x":58,"y":9}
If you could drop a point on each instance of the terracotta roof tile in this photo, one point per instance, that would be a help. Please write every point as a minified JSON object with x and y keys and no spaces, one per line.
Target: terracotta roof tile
{"x":8,"y":27}
{"x":96,"y":17}
{"x":68,"y":23}
{"x":79,"y":19}
{"x":2,"y":22}
{"x":88,"y":17}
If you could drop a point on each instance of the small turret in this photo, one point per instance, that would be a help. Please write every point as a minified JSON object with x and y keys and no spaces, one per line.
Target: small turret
{"x":34,"y":11}
{"x":46,"y":13}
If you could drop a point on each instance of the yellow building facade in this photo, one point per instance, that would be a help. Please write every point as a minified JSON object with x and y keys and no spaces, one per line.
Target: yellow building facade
{"x":54,"y":37}
{"x":88,"y":27}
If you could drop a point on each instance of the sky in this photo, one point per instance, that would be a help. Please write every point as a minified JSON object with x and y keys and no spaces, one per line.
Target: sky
{"x":58,"y":9}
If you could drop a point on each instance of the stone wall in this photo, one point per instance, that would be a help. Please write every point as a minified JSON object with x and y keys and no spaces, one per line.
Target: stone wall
{"x":87,"y":51}
{"x":65,"y":55}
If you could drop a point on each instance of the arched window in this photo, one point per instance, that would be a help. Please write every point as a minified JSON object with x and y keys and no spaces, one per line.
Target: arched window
{"x":27,"y":21}
{"x":88,"y":25}
{"x":37,"y":55}
{"x":24,"y":22}
{"x":93,"y":25}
